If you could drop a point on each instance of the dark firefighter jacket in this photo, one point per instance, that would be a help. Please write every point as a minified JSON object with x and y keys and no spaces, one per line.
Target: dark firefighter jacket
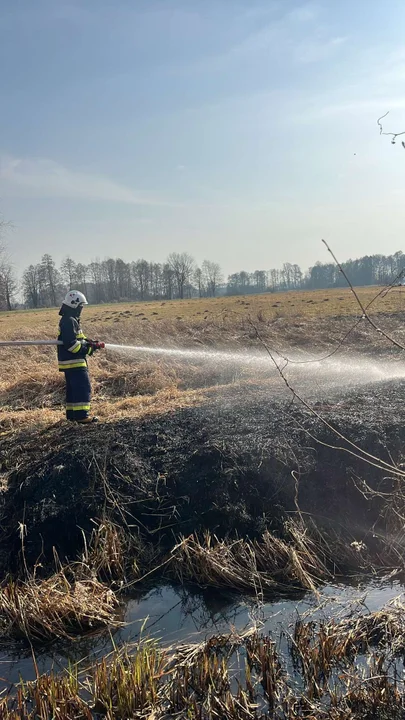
{"x":75,"y":350}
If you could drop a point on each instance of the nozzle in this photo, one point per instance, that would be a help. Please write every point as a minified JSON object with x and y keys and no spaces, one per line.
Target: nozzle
{"x":96,"y":344}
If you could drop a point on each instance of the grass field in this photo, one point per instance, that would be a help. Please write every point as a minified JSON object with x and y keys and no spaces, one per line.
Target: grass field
{"x":32,"y":390}
{"x":301,"y":304}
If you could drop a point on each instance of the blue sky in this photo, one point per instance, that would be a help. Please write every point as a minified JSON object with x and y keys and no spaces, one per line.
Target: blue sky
{"x":242,"y":131}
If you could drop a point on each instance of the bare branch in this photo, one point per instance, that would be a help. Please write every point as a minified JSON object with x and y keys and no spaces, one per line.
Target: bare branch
{"x":365,"y":315}
{"x":390,"y":134}
{"x":351,"y":447}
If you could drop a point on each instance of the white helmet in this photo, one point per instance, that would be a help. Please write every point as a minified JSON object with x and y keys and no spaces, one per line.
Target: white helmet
{"x":74,"y":299}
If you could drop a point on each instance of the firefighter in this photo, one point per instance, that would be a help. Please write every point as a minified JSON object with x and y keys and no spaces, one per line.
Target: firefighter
{"x":72,"y":358}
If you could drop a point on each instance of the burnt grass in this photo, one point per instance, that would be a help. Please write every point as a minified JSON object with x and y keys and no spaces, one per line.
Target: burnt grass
{"x":240,"y":463}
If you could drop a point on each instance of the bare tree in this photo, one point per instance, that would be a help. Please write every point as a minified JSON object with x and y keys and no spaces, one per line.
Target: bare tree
{"x":8,"y":281}
{"x":260,"y":280}
{"x":110,"y":277}
{"x":212,"y":275}
{"x":182,"y":265}
{"x":82,"y":272}
{"x":68,"y":271}
{"x":123,"y":279}
{"x":156,"y":274}
{"x":199,"y":281}
{"x":297,"y":275}
{"x":31,"y":286}
{"x":167,"y":281}
{"x":8,"y":285}
{"x":287,"y":275}
{"x":244,"y":279}
{"x":51,"y":281}
{"x":96,"y":278}
{"x":141,"y":275}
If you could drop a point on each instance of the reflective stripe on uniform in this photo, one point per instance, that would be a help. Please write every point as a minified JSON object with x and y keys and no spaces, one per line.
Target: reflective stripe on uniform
{"x":75,"y":347}
{"x":77,"y":407}
{"x":69,"y":364}
{"x":82,"y":403}
{"x":82,"y":361}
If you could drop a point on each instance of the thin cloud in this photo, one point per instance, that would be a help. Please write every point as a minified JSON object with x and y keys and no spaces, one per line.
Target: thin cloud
{"x":41,"y":177}
{"x":357,"y":107}
{"x":304,"y":13}
{"x":316,"y":50}
{"x":299,"y":34}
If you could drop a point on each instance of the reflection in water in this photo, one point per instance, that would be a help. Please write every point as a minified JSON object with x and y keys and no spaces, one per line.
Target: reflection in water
{"x":174,"y":614}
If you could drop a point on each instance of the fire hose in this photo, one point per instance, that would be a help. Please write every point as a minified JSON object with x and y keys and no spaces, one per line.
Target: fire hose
{"x":14,"y":343}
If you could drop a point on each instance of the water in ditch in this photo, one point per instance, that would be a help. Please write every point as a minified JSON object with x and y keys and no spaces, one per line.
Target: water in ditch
{"x":175,"y":615}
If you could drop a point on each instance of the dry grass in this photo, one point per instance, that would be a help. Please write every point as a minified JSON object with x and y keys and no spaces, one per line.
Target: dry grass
{"x":107,"y":551}
{"x":55,"y":608}
{"x":196,"y":312}
{"x":262,"y":567}
{"x":287,"y":320}
{"x":383,"y":629}
{"x":318,"y":652}
{"x":123,"y":385}
{"x":133,"y":407}
{"x":117,"y":554}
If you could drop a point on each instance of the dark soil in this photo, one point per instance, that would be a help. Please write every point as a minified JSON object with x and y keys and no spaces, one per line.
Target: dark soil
{"x":237,"y":464}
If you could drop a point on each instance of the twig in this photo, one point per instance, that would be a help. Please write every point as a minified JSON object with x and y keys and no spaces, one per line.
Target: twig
{"x":382,"y":293}
{"x":357,"y":451}
{"x":391,"y":134}
{"x":365,"y":315}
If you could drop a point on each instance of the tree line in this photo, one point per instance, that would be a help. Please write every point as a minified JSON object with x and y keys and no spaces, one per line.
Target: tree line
{"x":367,"y":270}
{"x":111,"y":280}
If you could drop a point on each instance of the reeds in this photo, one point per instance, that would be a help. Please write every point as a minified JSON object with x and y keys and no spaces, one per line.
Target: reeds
{"x":107,"y":551}
{"x":50,"y":696}
{"x":125,"y":684}
{"x":260,"y":567}
{"x":263,"y":658}
{"x":224,"y":678}
{"x":344,"y":639}
{"x":45,"y":610}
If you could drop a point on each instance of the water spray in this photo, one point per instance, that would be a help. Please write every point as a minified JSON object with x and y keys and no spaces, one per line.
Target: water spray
{"x":244,"y":357}
{"x":211,"y":355}
{"x":328,"y":373}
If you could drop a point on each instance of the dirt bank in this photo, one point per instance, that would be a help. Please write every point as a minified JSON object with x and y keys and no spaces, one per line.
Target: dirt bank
{"x":239,"y":463}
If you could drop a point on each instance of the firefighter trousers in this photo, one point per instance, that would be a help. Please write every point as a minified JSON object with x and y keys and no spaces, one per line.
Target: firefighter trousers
{"x":78,"y":393}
